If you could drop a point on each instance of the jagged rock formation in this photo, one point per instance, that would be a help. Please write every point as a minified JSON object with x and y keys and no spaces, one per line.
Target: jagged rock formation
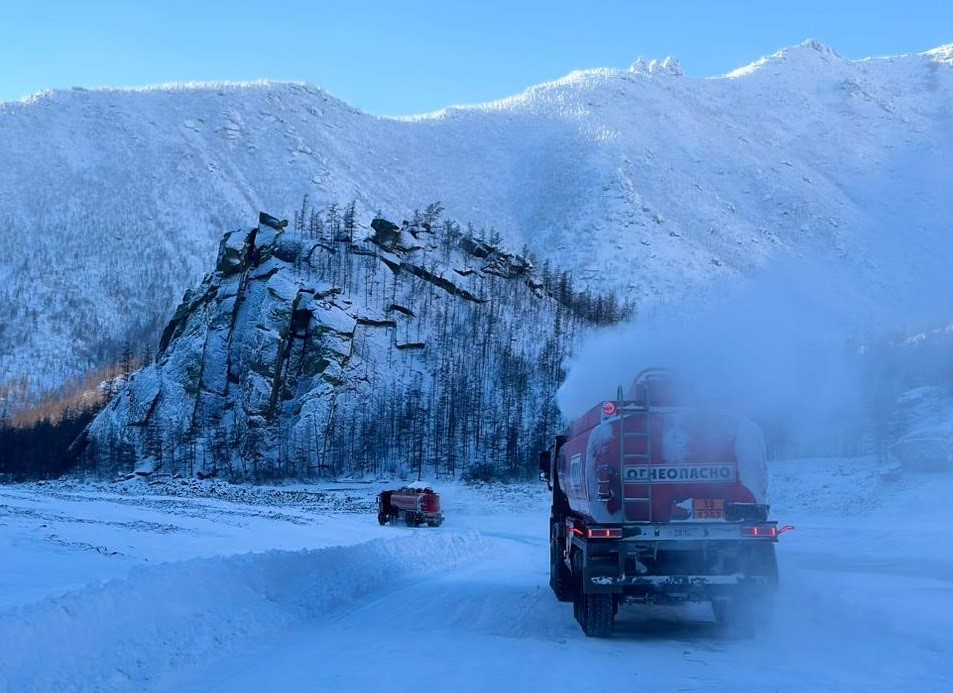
{"x":301,"y":357}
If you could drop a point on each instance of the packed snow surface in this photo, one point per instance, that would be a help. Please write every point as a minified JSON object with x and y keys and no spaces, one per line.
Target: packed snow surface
{"x":186,"y":585}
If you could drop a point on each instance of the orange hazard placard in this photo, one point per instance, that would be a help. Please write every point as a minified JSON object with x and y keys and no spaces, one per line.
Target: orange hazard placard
{"x":708,"y":508}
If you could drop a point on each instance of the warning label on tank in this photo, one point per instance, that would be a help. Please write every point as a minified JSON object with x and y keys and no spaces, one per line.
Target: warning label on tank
{"x":677,"y":473}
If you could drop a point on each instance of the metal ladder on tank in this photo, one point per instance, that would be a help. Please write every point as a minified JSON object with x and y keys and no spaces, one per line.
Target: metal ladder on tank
{"x":644,"y":457}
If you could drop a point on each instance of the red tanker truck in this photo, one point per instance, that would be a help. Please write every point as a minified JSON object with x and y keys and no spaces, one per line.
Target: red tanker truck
{"x":415,"y":506}
{"x":655,"y":500}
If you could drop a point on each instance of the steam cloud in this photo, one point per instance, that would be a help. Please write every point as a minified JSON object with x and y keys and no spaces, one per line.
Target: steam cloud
{"x":786,"y":346}
{"x":778,"y":348}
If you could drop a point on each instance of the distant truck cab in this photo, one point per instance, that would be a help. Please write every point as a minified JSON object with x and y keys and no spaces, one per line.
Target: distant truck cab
{"x":657,"y":500}
{"x":413,"y":506}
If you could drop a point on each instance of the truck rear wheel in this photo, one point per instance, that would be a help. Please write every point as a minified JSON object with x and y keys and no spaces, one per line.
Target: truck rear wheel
{"x":597,"y":615}
{"x":594,"y":612}
{"x":382,"y":519}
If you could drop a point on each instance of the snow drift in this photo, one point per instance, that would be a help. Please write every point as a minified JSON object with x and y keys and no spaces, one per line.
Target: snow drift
{"x":130,"y":632}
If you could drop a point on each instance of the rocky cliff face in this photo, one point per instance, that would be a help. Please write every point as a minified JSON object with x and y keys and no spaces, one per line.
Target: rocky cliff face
{"x":411,"y":350}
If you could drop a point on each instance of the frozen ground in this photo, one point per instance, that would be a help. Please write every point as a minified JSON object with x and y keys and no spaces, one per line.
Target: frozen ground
{"x":205,"y":586}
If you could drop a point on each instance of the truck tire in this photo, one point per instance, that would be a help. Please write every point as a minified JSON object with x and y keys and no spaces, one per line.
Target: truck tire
{"x":575,"y":577}
{"x":595,"y":613}
{"x":560,"y":578}
{"x":411,"y":520}
{"x":598,"y":617}
{"x":382,"y":519}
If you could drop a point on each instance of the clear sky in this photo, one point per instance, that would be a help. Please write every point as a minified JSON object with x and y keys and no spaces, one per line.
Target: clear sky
{"x":413,"y":56}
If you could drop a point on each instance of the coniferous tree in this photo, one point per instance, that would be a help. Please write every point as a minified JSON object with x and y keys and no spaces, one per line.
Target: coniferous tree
{"x":333,"y":220}
{"x":350,"y":213}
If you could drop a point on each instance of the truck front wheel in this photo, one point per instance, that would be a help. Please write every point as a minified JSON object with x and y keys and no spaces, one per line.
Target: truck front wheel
{"x":560,"y":579}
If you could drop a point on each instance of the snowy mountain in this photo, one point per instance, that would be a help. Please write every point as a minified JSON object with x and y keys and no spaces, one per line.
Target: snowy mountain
{"x":642,"y":181}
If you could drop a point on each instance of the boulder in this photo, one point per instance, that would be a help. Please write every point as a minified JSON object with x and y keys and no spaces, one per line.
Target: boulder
{"x":234,"y":252}
{"x":386,"y":233}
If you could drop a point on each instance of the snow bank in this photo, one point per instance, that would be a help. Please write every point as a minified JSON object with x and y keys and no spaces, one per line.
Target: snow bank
{"x":127,"y":633}
{"x":856,"y":487}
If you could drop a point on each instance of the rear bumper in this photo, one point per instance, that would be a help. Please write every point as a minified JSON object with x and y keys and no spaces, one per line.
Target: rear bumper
{"x":669,"y":588}
{"x":677,"y":563}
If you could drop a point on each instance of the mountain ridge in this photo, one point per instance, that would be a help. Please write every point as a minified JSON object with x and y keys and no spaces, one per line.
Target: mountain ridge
{"x":661,"y":188}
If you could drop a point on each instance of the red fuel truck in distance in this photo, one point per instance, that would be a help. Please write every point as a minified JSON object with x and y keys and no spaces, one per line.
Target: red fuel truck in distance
{"x":656,"y":500}
{"x":415,"y":506}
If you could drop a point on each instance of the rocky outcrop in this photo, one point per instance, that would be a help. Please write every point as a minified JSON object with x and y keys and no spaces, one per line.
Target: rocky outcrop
{"x":386,"y":233}
{"x":495,"y":260}
{"x":440,"y":281}
{"x":393,"y":238}
{"x":292,"y":357}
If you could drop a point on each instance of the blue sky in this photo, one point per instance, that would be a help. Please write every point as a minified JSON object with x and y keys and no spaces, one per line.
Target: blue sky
{"x":413,"y":56}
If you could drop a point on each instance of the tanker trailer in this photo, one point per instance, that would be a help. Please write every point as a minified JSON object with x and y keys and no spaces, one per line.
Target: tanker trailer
{"x":415,"y":506}
{"x":656,"y":500}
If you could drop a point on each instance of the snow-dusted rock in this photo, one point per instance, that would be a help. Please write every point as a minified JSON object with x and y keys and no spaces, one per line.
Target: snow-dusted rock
{"x":268,"y":369}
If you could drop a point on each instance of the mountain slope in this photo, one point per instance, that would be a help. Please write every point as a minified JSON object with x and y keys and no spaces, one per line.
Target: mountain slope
{"x":644,"y":181}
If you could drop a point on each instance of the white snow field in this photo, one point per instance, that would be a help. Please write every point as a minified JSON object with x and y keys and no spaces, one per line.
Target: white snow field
{"x":186,"y":585}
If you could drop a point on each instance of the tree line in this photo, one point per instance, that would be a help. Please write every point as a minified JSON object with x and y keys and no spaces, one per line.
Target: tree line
{"x":36,"y":442}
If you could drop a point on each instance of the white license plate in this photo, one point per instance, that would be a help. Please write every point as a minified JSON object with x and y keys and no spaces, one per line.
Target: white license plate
{"x":681,"y":531}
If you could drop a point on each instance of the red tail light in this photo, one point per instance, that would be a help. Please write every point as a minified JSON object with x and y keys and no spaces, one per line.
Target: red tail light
{"x":765,"y":531}
{"x":604,"y":533}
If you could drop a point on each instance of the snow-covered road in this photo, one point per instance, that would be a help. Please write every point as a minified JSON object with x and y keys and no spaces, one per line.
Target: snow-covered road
{"x":854,"y":623}
{"x":334,"y":602}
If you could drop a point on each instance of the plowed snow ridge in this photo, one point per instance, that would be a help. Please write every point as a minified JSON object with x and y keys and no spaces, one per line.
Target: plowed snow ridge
{"x":128,"y":632}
